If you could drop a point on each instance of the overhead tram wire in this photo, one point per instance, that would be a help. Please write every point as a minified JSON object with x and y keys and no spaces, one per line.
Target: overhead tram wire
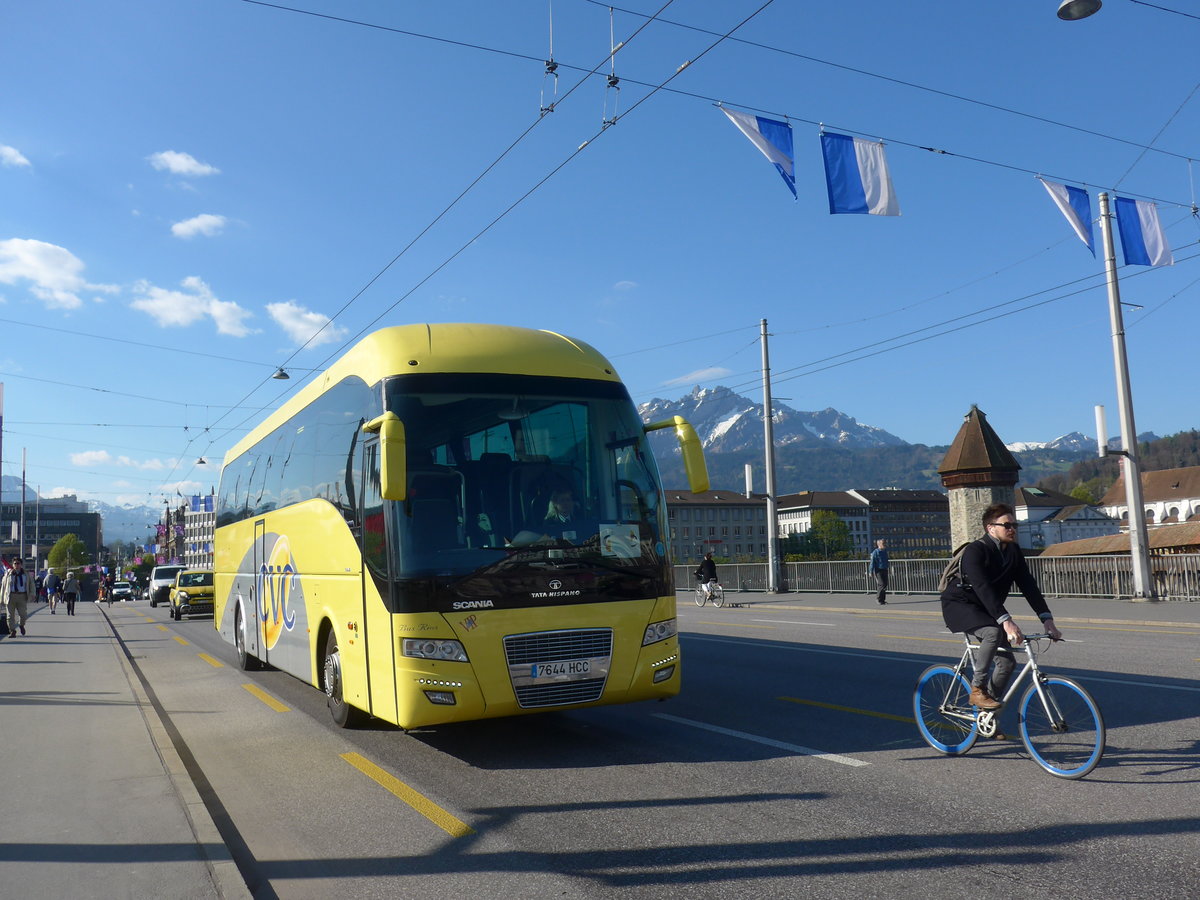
{"x":587,"y":143}
{"x":858,"y":71}
{"x":440,"y":215}
{"x":899,"y":81}
{"x":798,"y":374}
{"x":496,"y":220}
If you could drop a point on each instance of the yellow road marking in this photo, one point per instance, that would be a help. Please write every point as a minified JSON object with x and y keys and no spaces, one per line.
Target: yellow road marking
{"x":182,"y":641}
{"x":850,"y":709}
{"x":215,"y":663}
{"x":161,"y":627}
{"x":148,"y":619}
{"x":738,"y":625}
{"x":426,"y":807}
{"x":266,"y":698}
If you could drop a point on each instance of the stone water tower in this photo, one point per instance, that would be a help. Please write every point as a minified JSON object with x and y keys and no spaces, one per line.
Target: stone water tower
{"x":977,"y":471}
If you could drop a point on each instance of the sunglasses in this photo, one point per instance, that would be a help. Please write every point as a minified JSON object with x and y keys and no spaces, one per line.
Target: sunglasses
{"x":1009,"y":525}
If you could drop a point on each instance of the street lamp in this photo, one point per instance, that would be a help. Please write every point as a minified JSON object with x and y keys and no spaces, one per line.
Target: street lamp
{"x":1070,"y":10}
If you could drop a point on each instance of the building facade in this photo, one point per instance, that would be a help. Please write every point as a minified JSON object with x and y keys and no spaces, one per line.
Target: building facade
{"x":1045,"y":518}
{"x":795,"y":512}
{"x":728,"y":523}
{"x":199,"y":524}
{"x":1169,"y":497}
{"x":914,"y":523}
{"x":45,"y":522}
{"x":977,"y":471}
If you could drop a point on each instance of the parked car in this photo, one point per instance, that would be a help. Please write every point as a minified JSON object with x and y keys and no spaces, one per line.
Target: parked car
{"x":161,"y":579}
{"x":123,"y":591}
{"x":192,"y":592}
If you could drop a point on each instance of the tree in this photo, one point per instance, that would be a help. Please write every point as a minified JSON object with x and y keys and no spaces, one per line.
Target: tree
{"x":829,"y":537}
{"x":68,"y":551}
{"x":1083,"y":494}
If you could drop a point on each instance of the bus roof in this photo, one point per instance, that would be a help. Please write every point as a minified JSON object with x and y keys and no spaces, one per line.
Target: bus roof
{"x":446,"y":348}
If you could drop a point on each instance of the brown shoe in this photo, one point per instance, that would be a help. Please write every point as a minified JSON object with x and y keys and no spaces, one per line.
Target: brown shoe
{"x":981,"y":698}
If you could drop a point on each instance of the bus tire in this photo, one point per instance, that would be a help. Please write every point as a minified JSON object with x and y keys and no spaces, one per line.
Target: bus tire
{"x":246,"y":662}
{"x":344,"y":715}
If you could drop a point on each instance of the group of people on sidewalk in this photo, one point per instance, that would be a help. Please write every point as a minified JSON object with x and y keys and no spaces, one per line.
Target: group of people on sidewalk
{"x":18,"y":589}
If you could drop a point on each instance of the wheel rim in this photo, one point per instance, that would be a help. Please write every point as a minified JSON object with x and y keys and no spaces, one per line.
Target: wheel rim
{"x":1070,"y":747}
{"x":333,"y":677}
{"x":952,"y":734}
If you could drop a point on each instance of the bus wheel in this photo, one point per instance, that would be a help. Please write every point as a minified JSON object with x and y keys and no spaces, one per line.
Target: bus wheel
{"x":344,"y":715}
{"x":246,"y":662}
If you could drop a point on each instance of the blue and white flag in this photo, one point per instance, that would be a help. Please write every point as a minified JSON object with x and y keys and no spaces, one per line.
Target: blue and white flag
{"x":773,"y":138}
{"x":1075,"y":204}
{"x":1142,"y":236}
{"x":856,"y":174}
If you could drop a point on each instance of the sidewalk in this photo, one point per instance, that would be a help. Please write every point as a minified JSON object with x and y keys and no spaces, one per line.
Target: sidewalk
{"x":97,"y":802}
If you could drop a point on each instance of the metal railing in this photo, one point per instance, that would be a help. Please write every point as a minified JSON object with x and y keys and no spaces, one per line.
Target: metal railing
{"x":1176,"y":577}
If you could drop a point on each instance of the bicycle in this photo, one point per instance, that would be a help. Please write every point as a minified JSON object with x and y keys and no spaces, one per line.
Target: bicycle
{"x":717,"y":597}
{"x":1060,"y":724}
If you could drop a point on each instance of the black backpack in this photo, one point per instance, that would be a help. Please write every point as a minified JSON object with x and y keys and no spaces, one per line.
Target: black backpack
{"x":952,"y":574}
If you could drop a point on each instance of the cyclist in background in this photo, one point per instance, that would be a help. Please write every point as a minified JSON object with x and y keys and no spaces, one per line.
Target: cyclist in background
{"x":974,"y":603}
{"x":707,"y":573}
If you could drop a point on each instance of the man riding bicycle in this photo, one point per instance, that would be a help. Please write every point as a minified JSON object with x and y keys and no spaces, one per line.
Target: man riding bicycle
{"x":707,"y":573}
{"x":974,"y":603}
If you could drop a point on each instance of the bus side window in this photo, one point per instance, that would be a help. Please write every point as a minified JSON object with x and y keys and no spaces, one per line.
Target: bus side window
{"x":374,"y":532}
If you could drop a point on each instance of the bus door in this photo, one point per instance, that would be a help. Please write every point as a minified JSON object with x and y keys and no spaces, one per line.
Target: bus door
{"x":254,"y":642}
{"x":378,"y":637}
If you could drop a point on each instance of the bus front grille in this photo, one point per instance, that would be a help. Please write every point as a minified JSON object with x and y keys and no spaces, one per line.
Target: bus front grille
{"x":558,"y":668}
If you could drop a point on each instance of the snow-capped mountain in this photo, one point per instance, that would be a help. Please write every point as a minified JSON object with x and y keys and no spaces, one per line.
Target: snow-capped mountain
{"x":1075,"y":443}
{"x":726,"y":422}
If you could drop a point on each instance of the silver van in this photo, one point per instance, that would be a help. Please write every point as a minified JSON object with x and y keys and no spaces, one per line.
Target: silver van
{"x":161,"y":579}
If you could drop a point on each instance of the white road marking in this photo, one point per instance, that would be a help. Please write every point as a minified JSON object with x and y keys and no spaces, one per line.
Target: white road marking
{"x":794,"y":622}
{"x":770,"y":742}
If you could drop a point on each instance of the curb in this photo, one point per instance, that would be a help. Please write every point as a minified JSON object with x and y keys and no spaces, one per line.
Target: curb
{"x":226,"y":878}
{"x":921,"y":613}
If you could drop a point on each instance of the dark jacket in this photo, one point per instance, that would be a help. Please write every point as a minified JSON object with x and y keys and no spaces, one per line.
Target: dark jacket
{"x":991,"y":572}
{"x":707,"y":570}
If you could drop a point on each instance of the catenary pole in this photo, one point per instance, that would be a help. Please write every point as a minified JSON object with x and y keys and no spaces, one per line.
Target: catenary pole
{"x":1139,"y":542}
{"x":769,"y":436}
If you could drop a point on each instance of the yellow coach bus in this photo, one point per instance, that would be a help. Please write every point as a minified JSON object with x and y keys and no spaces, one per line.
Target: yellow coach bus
{"x":454,"y":522}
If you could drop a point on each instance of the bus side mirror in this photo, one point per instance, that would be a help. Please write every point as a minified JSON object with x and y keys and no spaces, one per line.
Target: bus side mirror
{"x":393,"y":474}
{"x":690,"y":448}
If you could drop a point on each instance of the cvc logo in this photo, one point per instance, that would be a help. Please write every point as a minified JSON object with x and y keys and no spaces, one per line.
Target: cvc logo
{"x":277,"y":580}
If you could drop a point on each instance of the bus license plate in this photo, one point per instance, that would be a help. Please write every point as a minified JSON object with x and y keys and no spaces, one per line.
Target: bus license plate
{"x":563,"y":669}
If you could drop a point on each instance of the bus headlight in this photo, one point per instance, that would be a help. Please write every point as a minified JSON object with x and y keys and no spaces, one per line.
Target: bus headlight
{"x":435,"y":649}
{"x":659,"y":631}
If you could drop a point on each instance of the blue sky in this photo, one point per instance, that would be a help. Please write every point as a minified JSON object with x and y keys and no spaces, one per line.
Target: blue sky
{"x":188,"y":190}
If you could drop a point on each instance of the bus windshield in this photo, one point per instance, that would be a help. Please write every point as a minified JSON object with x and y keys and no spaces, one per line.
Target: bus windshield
{"x":505,"y":472}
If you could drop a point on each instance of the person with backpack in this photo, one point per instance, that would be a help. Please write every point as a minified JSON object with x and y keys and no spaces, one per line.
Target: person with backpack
{"x":973,"y":603}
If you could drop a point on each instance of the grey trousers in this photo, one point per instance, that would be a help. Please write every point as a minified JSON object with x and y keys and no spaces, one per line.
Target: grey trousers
{"x":993,"y":647}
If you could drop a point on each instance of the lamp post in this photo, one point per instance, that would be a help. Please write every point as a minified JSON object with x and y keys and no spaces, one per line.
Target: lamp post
{"x":1139,"y":541}
{"x":1070,"y":10}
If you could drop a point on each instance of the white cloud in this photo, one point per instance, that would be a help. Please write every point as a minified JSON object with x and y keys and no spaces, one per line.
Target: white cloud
{"x":178,"y":309}
{"x":205,"y":224}
{"x":11,"y":156}
{"x":87,"y":458}
{"x":625,"y":285}
{"x":699,"y":376}
{"x":91,"y":458}
{"x":55,"y":274}
{"x":181,"y":164}
{"x":300,"y":324}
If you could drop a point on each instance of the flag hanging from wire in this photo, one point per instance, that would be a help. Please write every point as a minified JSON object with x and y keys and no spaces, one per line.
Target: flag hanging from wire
{"x":856,"y":174}
{"x":1076,"y":205}
{"x":1142,"y":237}
{"x":773,"y":138}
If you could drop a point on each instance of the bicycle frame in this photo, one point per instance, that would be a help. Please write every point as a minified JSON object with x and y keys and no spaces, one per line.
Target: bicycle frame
{"x":987,"y":718}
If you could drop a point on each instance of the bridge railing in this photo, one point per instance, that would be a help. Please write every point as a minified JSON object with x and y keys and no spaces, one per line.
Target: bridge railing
{"x":1176,"y":577}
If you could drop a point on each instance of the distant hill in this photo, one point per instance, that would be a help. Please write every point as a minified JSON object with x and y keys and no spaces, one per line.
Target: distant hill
{"x":830,"y":450}
{"x":1096,"y":475}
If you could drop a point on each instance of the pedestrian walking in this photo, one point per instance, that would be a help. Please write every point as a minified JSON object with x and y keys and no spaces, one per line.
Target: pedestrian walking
{"x":878,"y":567}
{"x":17,"y":591}
{"x":53,"y":587}
{"x":70,"y":589}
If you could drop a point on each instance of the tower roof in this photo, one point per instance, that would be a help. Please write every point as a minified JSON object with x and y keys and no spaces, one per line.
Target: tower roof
{"x":978,"y":449}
